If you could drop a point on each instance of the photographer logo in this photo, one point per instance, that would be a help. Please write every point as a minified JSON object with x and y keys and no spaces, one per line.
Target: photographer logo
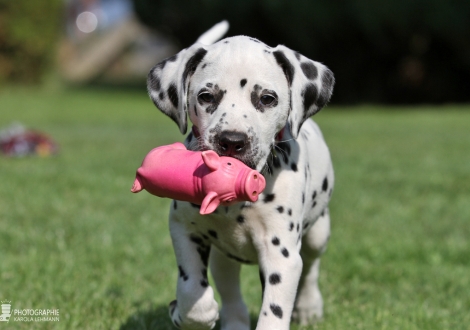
{"x":27,"y":314}
{"x":6,"y":311}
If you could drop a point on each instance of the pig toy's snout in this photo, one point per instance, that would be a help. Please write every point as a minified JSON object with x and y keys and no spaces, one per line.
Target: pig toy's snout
{"x":254,"y":185}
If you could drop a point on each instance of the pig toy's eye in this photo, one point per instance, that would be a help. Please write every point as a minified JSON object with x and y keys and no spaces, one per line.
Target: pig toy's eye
{"x":229,"y":164}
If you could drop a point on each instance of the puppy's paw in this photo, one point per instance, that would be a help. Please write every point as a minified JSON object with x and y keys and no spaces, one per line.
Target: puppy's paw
{"x":235,"y":317}
{"x":308,"y":307}
{"x":197,"y":318}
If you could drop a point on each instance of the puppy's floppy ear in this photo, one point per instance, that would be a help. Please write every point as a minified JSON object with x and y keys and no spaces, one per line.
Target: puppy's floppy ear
{"x":168,"y":82}
{"x":311,"y":85}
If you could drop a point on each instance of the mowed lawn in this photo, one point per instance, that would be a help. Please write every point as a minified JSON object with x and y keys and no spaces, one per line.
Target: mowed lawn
{"x":74,"y":238}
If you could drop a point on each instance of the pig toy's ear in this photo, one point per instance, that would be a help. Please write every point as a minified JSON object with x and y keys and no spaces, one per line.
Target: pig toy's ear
{"x":168,"y":83}
{"x":210,"y":203}
{"x":211,"y":159}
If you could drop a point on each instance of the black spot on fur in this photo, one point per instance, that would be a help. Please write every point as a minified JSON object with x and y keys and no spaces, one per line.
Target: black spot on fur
{"x":209,"y":85}
{"x":195,"y":206}
{"x":213,"y":233}
{"x":310,"y":70}
{"x":175,"y":206}
{"x":196,"y":239}
{"x":285,"y":147}
{"x":328,"y":80}
{"x":276,"y":162}
{"x":161,"y":95}
{"x":176,"y":324}
{"x":195,"y":111}
{"x":286,"y":66}
{"x":297,"y":56}
{"x":310,"y":95}
{"x":293,"y":166}
{"x":240,"y":219}
{"x":173,"y":95}
{"x":204,"y":65}
{"x":314,"y":195}
{"x":291,"y":226}
{"x":298,"y":227}
{"x":218,"y":95}
{"x":204,"y":283}
{"x":269,"y":198}
{"x":183,"y":274}
{"x":204,"y":252}
{"x":275,"y":241}
{"x":263,"y":282}
{"x":192,"y":63}
{"x":243,"y":82}
{"x":275,"y":278}
{"x":155,"y":83}
{"x":280,"y":209}
{"x":314,"y":204}
{"x":303,"y":198}
{"x":277,"y":310}
{"x":324,"y":186}
{"x":255,"y":40}
{"x":285,"y":253}
{"x":289,"y":211}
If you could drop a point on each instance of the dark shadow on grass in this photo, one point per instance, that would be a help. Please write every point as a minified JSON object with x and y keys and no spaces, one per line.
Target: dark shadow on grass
{"x":158,"y":319}
{"x":149,"y":319}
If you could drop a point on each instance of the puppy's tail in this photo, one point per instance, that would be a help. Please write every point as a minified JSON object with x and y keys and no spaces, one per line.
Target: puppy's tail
{"x":214,"y":33}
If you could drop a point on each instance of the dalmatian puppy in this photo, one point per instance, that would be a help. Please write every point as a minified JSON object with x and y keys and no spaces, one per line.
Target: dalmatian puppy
{"x":251,"y":102}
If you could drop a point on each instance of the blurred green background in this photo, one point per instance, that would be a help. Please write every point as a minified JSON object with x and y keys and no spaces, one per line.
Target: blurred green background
{"x":73,"y":237}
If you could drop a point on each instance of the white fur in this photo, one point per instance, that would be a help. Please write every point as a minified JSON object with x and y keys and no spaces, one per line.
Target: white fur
{"x":214,"y":33}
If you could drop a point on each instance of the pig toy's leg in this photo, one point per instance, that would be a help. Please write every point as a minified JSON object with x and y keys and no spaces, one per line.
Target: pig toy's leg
{"x":226,"y":272}
{"x":194,"y":307}
{"x":280,"y":268}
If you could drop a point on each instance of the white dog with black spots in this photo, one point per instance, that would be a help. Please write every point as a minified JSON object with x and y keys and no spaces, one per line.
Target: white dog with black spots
{"x":251,"y":102}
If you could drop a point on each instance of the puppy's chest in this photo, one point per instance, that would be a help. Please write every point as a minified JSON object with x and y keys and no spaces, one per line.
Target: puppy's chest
{"x":228,"y":229}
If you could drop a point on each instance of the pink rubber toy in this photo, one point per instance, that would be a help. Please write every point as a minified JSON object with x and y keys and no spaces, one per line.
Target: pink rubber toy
{"x":202,"y":178}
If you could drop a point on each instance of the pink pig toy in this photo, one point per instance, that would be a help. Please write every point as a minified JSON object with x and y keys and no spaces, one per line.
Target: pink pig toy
{"x":202,"y":178}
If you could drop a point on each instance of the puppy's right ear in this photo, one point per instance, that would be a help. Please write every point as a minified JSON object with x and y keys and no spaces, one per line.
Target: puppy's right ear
{"x":167,"y":83}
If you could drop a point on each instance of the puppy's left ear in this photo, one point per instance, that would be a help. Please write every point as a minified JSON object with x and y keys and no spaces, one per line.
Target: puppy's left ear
{"x":311,"y":85}
{"x":168,"y":83}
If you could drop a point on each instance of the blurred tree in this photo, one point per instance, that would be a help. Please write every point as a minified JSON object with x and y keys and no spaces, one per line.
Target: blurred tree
{"x":394,"y":51}
{"x":28,"y":35}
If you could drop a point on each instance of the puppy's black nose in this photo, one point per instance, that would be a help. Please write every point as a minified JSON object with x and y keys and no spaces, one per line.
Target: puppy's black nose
{"x":232,"y":142}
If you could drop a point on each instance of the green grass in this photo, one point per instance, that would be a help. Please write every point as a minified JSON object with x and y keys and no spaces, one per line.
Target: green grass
{"x":73,"y":237}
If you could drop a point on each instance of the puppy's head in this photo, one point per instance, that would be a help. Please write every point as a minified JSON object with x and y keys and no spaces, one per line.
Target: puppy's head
{"x":239,"y":94}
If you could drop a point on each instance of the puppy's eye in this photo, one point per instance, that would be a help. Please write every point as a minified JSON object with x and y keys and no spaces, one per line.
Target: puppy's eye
{"x":267,"y":99}
{"x":206,"y":97}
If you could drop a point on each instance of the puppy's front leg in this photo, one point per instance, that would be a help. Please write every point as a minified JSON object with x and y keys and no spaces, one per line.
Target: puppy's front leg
{"x":194,"y":307}
{"x":280,"y":269}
